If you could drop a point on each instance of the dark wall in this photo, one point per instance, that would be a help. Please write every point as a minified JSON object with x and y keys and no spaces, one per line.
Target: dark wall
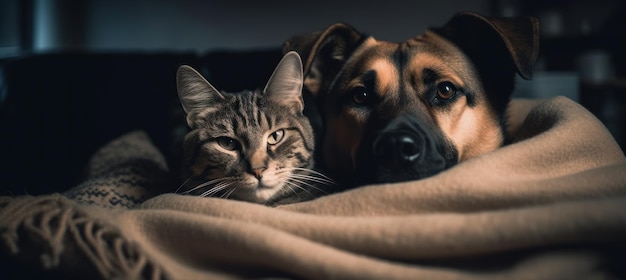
{"x":206,"y":25}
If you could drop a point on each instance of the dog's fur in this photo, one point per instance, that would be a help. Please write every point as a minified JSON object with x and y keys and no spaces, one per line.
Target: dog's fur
{"x":402,"y":111}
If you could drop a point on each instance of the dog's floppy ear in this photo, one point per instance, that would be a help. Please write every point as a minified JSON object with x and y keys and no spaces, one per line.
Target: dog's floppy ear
{"x":513,"y":40}
{"x":498,"y":47}
{"x":324,"y":53}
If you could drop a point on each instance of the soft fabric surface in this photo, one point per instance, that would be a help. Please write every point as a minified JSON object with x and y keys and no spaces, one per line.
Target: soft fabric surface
{"x":124,"y":173}
{"x":548,"y":206}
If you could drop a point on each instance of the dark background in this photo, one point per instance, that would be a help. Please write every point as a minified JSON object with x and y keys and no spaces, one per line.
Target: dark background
{"x":152,"y":25}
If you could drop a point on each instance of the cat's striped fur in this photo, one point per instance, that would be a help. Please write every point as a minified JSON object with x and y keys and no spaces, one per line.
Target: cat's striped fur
{"x":253,"y":145}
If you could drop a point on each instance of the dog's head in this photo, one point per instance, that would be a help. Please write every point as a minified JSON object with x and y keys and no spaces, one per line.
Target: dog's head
{"x":408,"y":110}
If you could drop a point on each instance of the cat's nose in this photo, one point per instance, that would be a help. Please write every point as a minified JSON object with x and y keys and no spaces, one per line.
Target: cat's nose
{"x":258,"y":172}
{"x":257,"y":161}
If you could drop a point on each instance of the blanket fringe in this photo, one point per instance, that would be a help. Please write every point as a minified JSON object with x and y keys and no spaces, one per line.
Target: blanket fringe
{"x":54,"y":227}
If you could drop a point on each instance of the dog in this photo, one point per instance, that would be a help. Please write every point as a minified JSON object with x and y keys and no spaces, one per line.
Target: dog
{"x":398,"y":111}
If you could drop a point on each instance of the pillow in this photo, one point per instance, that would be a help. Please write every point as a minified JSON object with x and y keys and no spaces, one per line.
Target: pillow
{"x":124,"y":173}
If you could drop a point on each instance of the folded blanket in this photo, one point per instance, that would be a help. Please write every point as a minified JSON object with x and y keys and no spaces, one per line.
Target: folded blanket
{"x":550,"y":205}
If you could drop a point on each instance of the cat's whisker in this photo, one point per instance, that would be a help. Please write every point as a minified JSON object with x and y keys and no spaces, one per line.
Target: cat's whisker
{"x":183,"y":184}
{"x":214,"y":185}
{"x":303,"y":183}
{"x":293,"y":187}
{"x":196,"y":188}
{"x":313,"y":179}
{"x":212,"y":182}
{"x":216,"y":189}
{"x":229,"y":193}
{"x":307,"y":180}
{"x":321,"y":178}
{"x":312,"y":176}
{"x":312,"y":171}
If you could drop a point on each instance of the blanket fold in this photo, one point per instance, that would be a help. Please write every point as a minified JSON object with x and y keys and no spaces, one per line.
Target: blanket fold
{"x":549,"y":205}
{"x":60,"y":236}
{"x":434,"y":235}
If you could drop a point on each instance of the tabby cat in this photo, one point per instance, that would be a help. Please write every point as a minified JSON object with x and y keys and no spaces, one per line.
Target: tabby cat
{"x":254,"y":146}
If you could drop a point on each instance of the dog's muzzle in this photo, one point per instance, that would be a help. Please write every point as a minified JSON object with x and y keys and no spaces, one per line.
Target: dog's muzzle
{"x":407,"y":148}
{"x":398,"y":148}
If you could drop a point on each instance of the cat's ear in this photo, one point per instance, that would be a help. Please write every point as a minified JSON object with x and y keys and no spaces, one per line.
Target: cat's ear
{"x":194,"y":92}
{"x":285,"y":84}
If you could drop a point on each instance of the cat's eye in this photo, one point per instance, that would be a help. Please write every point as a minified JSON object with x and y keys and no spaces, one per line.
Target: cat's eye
{"x":446,"y":90}
{"x":276,"y":137}
{"x":228,"y":143}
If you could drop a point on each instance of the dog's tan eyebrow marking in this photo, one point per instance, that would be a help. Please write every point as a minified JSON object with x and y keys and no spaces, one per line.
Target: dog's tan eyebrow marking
{"x":434,"y":69}
{"x":385,"y":75}
{"x":432,"y":75}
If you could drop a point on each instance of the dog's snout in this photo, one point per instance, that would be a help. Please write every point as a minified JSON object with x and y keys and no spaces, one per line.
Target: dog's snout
{"x":398,"y":148}
{"x":409,"y":149}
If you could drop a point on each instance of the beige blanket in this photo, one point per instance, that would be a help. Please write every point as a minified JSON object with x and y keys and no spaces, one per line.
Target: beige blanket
{"x":552,"y":205}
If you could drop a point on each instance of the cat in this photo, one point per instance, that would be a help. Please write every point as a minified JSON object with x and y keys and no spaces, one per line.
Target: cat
{"x":254,"y":145}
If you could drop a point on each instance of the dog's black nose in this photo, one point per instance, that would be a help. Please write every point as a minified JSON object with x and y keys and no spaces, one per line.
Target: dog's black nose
{"x":398,"y":148}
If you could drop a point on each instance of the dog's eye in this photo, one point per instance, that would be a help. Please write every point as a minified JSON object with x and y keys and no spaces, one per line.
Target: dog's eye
{"x":228,"y":143}
{"x":446,"y":90}
{"x":360,"y":95}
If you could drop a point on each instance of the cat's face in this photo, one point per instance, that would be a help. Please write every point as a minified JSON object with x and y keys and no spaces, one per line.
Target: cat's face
{"x":252,"y":146}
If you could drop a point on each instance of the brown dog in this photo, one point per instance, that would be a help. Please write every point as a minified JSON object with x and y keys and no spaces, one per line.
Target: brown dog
{"x":402,"y":111}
